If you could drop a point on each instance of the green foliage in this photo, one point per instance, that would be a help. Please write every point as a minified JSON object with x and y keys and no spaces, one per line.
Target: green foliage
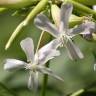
{"x":87,"y":2}
{"x":17,"y":3}
{"x":4,"y":91}
{"x":77,"y":74}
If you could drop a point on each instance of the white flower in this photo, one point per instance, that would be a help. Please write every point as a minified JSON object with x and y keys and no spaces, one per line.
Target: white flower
{"x":62,"y":33}
{"x":35,"y":63}
{"x":94,"y":7}
{"x":90,"y":30}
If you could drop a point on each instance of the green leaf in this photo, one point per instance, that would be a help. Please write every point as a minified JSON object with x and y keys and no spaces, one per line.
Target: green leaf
{"x":87,"y":2}
{"x":4,"y":91}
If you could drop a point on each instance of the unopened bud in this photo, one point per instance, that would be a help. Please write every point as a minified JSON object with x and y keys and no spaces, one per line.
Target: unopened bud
{"x":55,"y":12}
{"x":73,"y":20}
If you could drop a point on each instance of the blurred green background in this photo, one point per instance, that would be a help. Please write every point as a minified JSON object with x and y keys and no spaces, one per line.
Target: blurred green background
{"x":76,"y":74}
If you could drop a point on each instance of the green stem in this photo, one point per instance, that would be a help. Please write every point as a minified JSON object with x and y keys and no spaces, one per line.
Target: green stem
{"x":2,"y":9}
{"x":87,"y":2}
{"x":38,"y":45}
{"x":17,"y":4}
{"x":45,"y":80}
{"x":77,"y":93}
{"x":24,"y":23}
{"x":82,"y":8}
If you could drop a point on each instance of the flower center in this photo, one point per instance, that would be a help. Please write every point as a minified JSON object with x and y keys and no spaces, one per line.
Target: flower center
{"x":31,"y":66}
{"x":63,"y":38}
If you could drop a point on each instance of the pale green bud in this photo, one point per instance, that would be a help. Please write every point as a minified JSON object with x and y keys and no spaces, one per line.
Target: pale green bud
{"x":55,"y":12}
{"x":73,"y":20}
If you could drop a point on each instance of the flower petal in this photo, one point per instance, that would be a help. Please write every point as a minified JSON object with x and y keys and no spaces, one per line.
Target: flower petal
{"x":47,"y":52}
{"x":42,"y":22}
{"x":89,"y":26}
{"x":33,"y":81}
{"x":28,"y":47}
{"x":73,"y":50}
{"x":94,"y":7}
{"x":13,"y":64}
{"x":76,"y":30}
{"x":82,"y":28}
{"x":66,"y":10}
{"x":48,"y":71}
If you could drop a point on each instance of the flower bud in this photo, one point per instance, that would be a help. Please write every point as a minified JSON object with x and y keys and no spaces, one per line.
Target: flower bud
{"x":73,"y":20}
{"x":55,"y":12}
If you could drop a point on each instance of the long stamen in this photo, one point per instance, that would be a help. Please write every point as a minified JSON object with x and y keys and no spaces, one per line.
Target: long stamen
{"x":63,"y":39}
{"x":38,"y":45}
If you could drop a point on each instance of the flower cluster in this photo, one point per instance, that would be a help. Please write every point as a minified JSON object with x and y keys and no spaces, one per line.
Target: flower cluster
{"x":35,"y":63}
{"x":62,"y":33}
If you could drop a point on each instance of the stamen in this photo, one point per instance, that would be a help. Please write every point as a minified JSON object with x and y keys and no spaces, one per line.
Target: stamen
{"x":32,"y":67}
{"x":63,"y":39}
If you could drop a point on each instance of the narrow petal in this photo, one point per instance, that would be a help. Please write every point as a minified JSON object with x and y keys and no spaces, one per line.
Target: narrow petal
{"x":13,"y":64}
{"x":47,"y":52}
{"x":73,"y":50}
{"x":76,"y":30}
{"x":82,"y":28}
{"x":66,"y":10}
{"x":28,"y":47}
{"x":42,"y":22}
{"x":48,"y":71}
{"x":89,"y":26}
{"x":33,"y":81}
{"x":87,"y":34}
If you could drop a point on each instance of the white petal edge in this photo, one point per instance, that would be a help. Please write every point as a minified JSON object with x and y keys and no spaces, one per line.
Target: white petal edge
{"x":13,"y":64}
{"x":65,"y":13}
{"x":43,"y":23}
{"x":49,"y":51}
{"x":33,"y":81}
{"x":48,"y":71}
{"x":74,"y":51}
{"x":28,"y":47}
